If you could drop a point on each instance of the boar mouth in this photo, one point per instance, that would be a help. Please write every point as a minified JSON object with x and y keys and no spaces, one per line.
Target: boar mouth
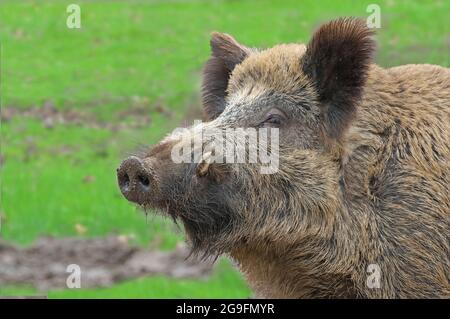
{"x":201,"y":207}
{"x":207,"y":226}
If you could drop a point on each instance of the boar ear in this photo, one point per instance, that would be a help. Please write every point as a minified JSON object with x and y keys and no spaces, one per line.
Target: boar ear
{"x":226,"y":53}
{"x":337,"y":60}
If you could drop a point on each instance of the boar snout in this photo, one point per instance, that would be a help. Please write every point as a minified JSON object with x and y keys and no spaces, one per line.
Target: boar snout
{"x":135,"y":180}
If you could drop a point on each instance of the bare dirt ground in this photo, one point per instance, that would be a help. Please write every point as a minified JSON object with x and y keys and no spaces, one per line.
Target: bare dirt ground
{"x":49,"y":115}
{"x":103,"y":261}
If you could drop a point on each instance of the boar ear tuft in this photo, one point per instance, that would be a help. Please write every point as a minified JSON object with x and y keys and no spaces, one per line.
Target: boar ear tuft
{"x":337,"y":60}
{"x":226,"y":53}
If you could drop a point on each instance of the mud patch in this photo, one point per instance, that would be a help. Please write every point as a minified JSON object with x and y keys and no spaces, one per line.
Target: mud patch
{"x":137,"y":115}
{"x":102,"y":261}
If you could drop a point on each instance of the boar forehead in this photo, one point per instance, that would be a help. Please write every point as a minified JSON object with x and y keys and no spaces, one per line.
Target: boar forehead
{"x":269,"y":78}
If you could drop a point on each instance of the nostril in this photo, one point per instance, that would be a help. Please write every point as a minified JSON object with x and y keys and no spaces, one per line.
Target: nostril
{"x":143,"y":180}
{"x":125,"y":181}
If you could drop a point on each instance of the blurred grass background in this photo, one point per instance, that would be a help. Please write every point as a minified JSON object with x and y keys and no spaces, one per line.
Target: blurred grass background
{"x":136,"y":58}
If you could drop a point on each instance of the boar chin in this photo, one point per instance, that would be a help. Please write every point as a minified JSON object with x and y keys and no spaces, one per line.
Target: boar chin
{"x":208,"y":227}
{"x":203,"y":209}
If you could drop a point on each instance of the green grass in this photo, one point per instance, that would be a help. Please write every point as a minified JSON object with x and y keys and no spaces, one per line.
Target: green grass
{"x":152,"y":52}
{"x":222,"y":283}
{"x":156,"y":49}
{"x":65,"y":176}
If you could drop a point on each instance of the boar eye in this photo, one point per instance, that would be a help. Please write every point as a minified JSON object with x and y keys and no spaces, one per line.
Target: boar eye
{"x":274,"y":118}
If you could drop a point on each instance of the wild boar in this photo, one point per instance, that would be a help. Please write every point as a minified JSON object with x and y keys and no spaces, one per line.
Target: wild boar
{"x":362,"y":183}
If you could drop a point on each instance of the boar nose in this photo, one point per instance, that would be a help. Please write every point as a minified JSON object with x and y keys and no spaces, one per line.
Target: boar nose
{"x":134,"y":180}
